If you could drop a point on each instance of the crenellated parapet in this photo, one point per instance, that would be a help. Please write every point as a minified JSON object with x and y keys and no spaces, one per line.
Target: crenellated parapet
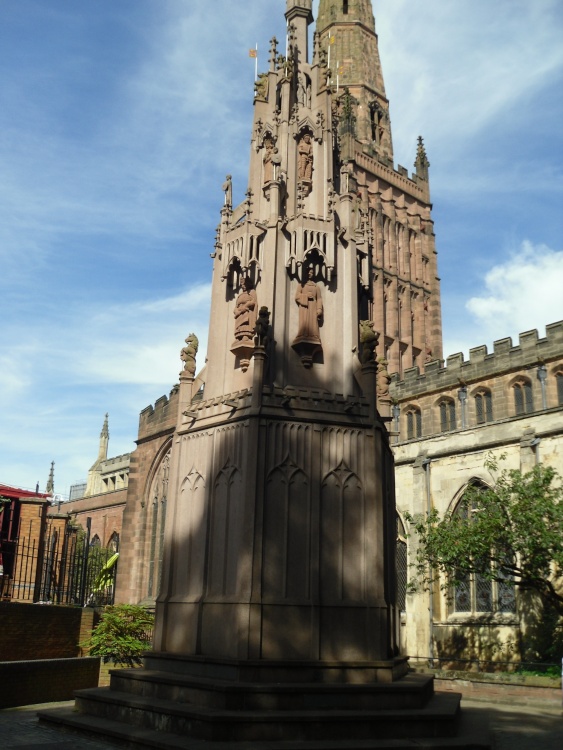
{"x":160,"y":417}
{"x":505,"y":358}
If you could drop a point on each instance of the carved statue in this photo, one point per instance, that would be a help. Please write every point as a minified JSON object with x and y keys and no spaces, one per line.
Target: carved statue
{"x":305,"y":159}
{"x":188,"y":353}
{"x":262,"y":327}
{"x":245,"y":312}
{"x":228,"y":190}
{"x":383,"y":379}
{"x":261,"y":86}
{"x":368,"y":340}
{"x":267,"y":160}
{"x":308,"y":298}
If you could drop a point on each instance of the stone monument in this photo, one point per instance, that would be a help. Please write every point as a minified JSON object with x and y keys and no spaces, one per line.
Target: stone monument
{"x":276,"y":618}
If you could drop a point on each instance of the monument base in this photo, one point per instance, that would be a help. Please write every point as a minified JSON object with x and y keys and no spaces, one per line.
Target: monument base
{"x":184,"y":701}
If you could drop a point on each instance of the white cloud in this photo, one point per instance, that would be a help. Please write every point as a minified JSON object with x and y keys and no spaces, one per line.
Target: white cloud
{"x":519,"y":294}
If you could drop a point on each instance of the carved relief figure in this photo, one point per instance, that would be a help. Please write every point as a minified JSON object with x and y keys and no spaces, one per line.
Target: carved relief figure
{"x":245,"y":312}
{"x":305,"y":159}
{"x":188,"y":353}
{"x":308,"y":298}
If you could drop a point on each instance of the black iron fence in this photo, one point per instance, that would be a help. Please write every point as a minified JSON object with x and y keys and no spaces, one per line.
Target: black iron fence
{"x":61,"y":567}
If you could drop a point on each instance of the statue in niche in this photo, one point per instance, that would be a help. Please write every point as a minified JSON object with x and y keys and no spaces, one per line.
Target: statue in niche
{"x":188,"y":353}
{"x":305,"y":159}
{"x":228,"y":190}
{"x":309,"y":300}
{"x":245,"y":312}
{"x":267,"y":161}
{"x":368,"y":340}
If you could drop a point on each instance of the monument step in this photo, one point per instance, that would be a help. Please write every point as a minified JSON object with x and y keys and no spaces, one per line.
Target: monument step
{"x":278,"y":671}
{"x":438,"y":719}
{"x":471,"y":737}
{"x":411,"y":692}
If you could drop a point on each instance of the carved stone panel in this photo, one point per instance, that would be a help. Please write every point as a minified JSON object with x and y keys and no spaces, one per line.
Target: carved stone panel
{"x":287,"y":527}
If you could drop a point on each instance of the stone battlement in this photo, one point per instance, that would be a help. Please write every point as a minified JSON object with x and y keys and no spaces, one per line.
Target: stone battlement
{"x":161,"y":416}
{"x":505,"y":358}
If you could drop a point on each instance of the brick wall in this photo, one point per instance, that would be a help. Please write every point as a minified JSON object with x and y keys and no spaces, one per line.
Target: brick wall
{"x":23,"y":683}
{"x":34,"y":631}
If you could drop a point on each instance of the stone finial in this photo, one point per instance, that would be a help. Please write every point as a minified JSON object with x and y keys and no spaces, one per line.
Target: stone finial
{"x":368,"y":340}
{"x":273,"y":53}
{"x":188,"y":354}
{"x":421,"y":162}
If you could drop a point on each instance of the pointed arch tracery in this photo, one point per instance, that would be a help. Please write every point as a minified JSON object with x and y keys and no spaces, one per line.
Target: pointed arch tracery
{"x":343,"y":541}
{"x":286,"y":555}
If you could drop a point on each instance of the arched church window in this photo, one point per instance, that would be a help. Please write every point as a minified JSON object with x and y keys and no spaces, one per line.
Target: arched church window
{"x":447,"y":415}
{"x":113,"y":543}
{"x":95,"y":541}
{"x":523,"y":397}
{"x":477,"y":592}
{"x":401,"y":565}
{"x":414,"y":423}
{"x":559,"y":379}
{"x":484,"y":406}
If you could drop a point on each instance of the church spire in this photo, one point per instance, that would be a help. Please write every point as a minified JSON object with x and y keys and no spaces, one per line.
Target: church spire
{"x":346,"y":30}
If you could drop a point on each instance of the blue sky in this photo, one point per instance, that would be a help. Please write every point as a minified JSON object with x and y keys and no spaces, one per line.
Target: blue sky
{"x":118,"y":123}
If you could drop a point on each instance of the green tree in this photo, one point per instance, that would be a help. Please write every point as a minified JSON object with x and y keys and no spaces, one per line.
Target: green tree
{"x":510,"y":532}
{"x":122,"y":635}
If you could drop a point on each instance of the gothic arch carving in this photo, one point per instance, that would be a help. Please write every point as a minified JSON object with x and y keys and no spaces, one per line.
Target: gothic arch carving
{"x":343,"y":542}
{"x":287,"y":556}
{"x":225,"y":530}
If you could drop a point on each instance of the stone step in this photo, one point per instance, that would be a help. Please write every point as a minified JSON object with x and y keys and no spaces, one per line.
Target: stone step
{"x":472,"y":737}
{"x":438,"y":719}
{"x":413,"y":691}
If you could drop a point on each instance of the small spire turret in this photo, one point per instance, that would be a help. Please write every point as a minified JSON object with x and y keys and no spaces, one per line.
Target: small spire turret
{"x":50,"y":488}
{"x":104,"y":440}
{"x":421,"y":164}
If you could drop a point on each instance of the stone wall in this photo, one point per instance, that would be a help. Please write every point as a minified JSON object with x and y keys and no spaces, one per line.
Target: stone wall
{"x":144,"y":512}
{"x":23,"y":683}
{"x":51,"y":632}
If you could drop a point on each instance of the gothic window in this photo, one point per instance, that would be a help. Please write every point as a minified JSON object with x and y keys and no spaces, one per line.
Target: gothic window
{"x":414,"y":423}
{"x":113,"y":543}
{"x":401,"y":565}
{"x":476,"y":593}
{"x":523,"y":398}
{"x":95,"y":541}
{"x":484,"y":406}
{"x":559,"y":378}
{"x":447,"y":415}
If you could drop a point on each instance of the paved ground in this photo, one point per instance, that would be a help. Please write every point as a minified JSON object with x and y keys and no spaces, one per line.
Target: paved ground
{"x":513,"y":727}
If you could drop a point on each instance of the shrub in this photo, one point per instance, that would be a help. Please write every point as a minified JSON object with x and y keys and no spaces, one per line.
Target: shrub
{"x":123,"y":634}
